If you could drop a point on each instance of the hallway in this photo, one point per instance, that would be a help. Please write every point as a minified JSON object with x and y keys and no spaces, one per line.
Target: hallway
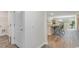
{"x":4,"y":42}
{"x":69,"y":40}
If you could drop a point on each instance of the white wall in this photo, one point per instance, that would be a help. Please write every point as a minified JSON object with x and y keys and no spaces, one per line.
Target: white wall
{"x":16,"y":22}
{"x":19,"y":29}
{"x":34,"y":28}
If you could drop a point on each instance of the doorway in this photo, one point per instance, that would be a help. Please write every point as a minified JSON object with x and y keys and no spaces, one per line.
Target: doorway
{"x":5,"y":34}
{"x":62,"y":29}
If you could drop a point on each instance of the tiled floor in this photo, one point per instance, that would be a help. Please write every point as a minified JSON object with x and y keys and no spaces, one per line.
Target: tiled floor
{"x":4,"y":42}
{"x":69,"y":40}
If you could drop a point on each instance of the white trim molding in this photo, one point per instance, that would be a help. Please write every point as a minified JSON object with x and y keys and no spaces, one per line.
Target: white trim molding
{"x":44,"y":43}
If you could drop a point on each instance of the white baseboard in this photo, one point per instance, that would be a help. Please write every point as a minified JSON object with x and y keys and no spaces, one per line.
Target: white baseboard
{"x":43,"y":44}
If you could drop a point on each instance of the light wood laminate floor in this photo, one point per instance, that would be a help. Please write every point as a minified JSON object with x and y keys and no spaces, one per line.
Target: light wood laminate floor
{"x":4,"y":42}
{"x":69,"y":40}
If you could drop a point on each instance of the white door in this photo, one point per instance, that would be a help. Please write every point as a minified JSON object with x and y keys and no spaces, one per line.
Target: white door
{"x":35,"y":26}
{"x":19,"y":29}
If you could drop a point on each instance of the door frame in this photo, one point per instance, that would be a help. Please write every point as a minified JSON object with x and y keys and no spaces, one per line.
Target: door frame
{"x":46,"y":27}
{"x":11,"y":26}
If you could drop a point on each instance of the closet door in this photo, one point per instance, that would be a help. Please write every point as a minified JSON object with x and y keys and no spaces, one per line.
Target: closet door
{"x":19,"y":29}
